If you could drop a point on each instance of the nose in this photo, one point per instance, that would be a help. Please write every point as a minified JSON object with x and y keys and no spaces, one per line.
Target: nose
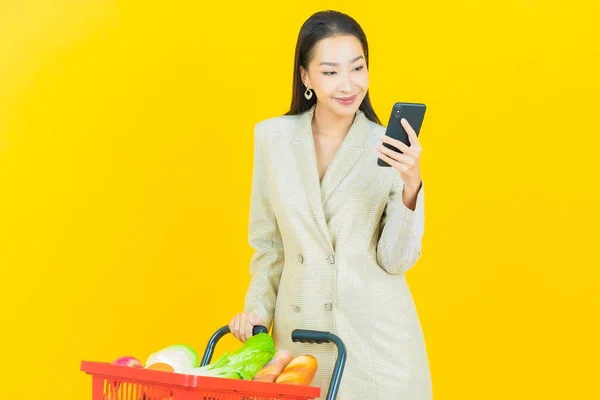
{"x":346,"y":82}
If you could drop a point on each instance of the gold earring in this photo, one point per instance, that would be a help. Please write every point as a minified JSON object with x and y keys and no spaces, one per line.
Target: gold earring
{"x":308,"y":94}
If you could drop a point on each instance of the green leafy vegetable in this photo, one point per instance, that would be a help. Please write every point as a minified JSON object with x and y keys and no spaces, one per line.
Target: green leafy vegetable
{"x":178,"y":356}
{"x":243,"y":363}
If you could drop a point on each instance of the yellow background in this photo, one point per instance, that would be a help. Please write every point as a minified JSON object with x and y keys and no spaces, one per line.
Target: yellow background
{"x":126,"y":161}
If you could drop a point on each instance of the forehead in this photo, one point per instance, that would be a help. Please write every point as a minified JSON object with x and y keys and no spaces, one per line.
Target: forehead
{"x":339,"y":49}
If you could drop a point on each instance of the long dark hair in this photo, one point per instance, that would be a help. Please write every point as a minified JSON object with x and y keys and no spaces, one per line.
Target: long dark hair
{"x":321,"y":25}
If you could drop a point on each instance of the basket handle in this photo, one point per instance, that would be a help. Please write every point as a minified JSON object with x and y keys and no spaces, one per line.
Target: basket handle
{"x":212,"y":343}
{"x":298,"y":335}
{"x":308,"y":336}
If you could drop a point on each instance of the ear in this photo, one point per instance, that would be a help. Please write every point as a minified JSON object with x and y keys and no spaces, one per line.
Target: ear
{"x":305,"y":77}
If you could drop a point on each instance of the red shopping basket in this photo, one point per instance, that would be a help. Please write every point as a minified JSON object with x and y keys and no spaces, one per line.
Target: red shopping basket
{"x":115,"y":382}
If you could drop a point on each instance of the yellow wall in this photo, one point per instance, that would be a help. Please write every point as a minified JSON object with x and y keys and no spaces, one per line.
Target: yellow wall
{"x":125,"y":167}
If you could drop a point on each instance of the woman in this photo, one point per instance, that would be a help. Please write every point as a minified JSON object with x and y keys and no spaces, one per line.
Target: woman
{"x":333,"y":232}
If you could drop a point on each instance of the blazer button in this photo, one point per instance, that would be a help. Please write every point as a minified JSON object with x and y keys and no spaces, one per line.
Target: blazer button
{"x":296,"y":309}
{"x":331,"y":259}
{"x":328,"y":306}
{"x":300,"y":259}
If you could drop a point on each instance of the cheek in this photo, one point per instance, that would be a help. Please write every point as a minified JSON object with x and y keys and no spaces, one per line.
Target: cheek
{"x":362,"y":81}
{"x":326,"y":86}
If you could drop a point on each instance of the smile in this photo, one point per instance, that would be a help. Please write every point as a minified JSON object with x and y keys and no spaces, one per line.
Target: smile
{"x":346,"y":100}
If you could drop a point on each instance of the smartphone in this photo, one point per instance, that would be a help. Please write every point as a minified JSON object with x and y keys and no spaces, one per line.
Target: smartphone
{"x":414,"y":114}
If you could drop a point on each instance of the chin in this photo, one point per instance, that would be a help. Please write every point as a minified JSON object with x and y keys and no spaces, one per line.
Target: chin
{"x":345,"y":111}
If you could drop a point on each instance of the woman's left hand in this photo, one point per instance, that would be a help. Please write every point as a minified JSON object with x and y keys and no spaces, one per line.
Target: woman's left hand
{"x":407,"y":163}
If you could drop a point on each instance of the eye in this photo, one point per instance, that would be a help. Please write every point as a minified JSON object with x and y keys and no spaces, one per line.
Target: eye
{"x":359,"y":68}
{"x":328,"y":72}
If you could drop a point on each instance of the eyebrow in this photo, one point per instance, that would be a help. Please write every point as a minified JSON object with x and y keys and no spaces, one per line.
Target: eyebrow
{"x":333,"y":64}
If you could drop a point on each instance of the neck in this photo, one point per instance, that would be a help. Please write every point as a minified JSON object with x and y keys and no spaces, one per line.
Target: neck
{"x":325,"y":123}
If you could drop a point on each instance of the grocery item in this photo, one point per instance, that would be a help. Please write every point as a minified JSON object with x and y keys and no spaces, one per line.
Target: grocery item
{"x":273,"y":368}
{"x":125,"y":361}
{"x":160,"y":367}
{"x":128,"y":361}
{"x":179,"y":356}
{"x":243,"y":363}
{"x":300,"y":371}
{"x":158,"y":393}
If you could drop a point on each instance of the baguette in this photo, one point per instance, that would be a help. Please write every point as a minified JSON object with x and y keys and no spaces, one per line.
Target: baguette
{"x":300,"y":371}
{"x":273,"y":368}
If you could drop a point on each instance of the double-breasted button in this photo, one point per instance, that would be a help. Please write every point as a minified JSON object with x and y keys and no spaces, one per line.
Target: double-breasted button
{"x":295,"y":309}
{"x":300,"y":259}
{"x":328,"y":306}
{"x":331,"y":259}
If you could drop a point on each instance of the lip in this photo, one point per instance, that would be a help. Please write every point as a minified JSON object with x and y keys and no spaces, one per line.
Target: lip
{"x":346,"y":100}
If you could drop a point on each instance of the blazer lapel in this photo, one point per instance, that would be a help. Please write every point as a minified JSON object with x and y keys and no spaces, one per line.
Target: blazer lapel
{"x":344,"y":159}
{"x":306,"y":158}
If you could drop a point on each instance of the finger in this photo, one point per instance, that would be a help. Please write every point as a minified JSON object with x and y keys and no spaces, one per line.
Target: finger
{"x":412,"y":135}
{"x":239,"y":327}
{"x":400,"y":167}
{"x":412,"y":151}
{"x":236,"y":326}
{"x":396,"y":143}
{"x":249,"y":328}
{"x":402,"y":158}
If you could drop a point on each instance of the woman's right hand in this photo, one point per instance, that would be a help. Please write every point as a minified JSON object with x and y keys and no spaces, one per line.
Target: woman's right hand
{"x":241,"y":325}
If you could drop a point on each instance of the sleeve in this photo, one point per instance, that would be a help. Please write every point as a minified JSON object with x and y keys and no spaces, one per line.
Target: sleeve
{"x":264,"y":237}
{"x":399,"y":245}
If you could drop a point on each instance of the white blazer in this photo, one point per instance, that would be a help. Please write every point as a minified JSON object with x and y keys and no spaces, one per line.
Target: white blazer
{"x":331,"y":256}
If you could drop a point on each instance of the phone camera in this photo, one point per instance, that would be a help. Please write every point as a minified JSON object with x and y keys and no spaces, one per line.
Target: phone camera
{"x":397,"y":113}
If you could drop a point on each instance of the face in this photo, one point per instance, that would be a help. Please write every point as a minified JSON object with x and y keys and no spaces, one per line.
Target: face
{"x":338,"y":75}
